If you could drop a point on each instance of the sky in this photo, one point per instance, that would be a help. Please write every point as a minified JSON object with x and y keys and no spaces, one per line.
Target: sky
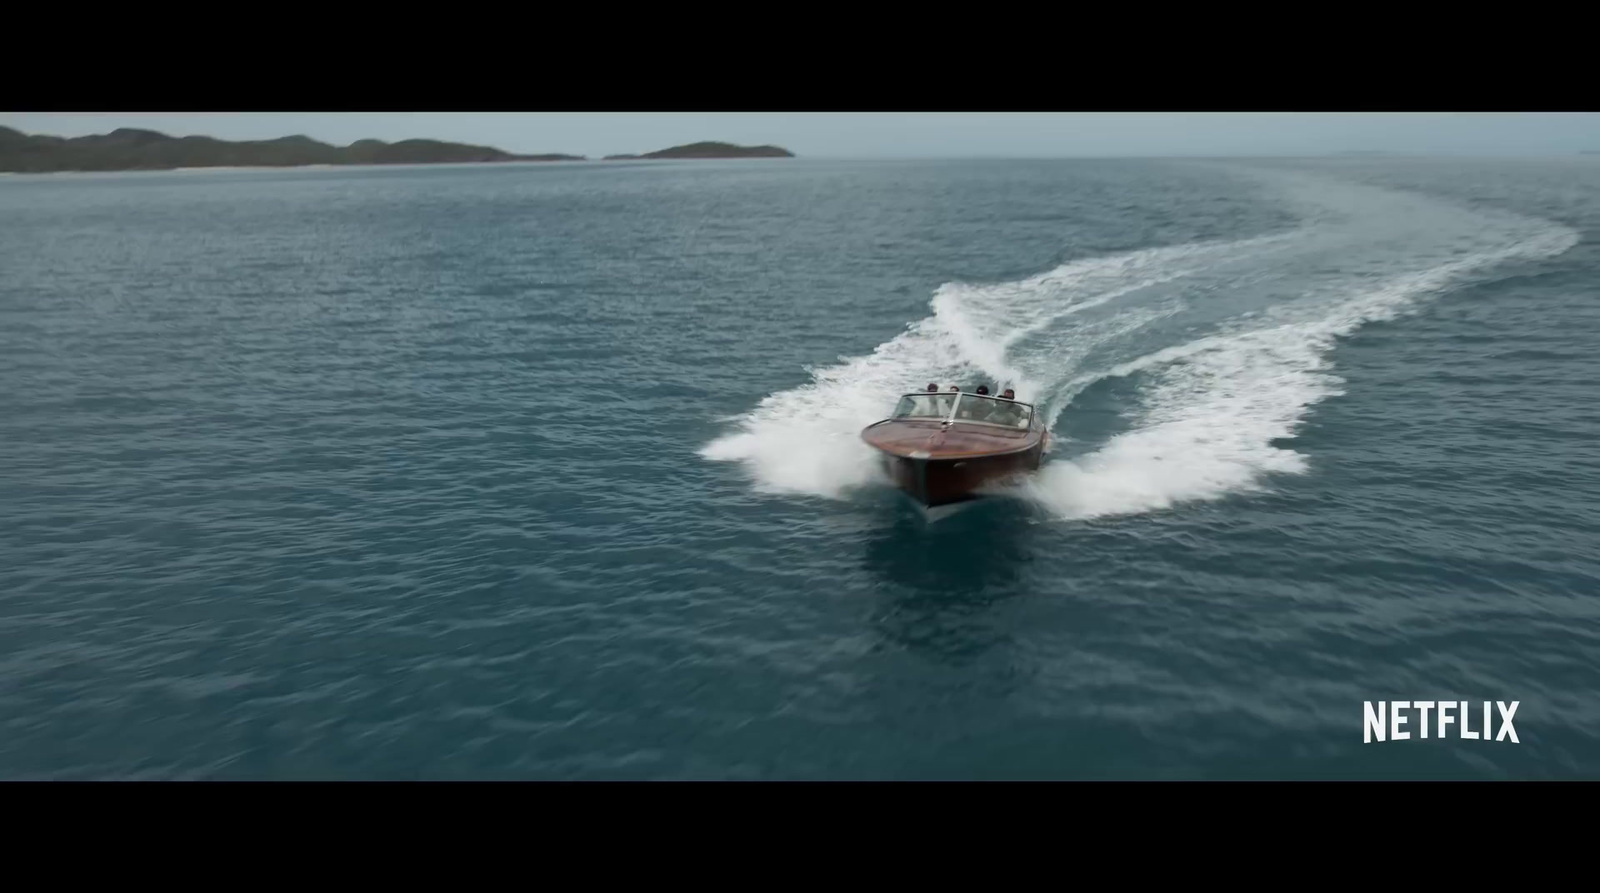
{"x":893,"y":135}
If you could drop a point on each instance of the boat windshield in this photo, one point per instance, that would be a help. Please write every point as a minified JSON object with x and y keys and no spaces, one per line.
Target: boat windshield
{"x":992,"y":411}
{"x":924,"y":406}
{"x":974,"y":408}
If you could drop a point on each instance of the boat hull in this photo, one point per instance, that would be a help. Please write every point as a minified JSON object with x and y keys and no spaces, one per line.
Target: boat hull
{"x":956,"y":453}
{"x":937,"y":482}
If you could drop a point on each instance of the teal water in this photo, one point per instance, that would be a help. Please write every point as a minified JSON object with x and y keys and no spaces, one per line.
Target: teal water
{"x":551,"y":472}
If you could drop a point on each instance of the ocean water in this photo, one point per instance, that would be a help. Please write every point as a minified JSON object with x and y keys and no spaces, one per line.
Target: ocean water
{"x":551,"y":472}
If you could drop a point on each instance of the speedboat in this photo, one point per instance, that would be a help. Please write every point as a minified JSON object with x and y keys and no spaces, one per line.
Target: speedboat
{"x":945,"y":448}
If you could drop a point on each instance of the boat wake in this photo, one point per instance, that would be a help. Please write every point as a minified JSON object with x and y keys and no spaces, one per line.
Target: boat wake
{"x":1226,"y":346}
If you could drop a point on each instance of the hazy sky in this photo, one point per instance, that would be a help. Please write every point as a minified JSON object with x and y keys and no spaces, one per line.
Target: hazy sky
{"x":894,"y":135}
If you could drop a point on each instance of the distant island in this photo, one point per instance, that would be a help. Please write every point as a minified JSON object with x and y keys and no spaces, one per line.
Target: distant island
{"x":710,"y":150}
{"x":129,"y":149}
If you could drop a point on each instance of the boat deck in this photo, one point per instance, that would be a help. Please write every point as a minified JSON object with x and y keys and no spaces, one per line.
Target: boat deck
{"x":913,"y":439}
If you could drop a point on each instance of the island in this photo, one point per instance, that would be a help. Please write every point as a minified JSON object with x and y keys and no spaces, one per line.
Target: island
{"x":131,"y":149}
{"x":710,"y":150}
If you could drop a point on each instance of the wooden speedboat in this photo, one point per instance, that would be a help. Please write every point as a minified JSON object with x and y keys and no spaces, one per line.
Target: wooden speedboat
{"x":943,"y":448}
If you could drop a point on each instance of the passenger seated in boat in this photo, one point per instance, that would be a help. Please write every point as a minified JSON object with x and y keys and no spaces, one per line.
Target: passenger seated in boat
{"x":1021,"y":415}
{"x":1008,"y":414}
{"x":983,"y":410}
{"x":927,"y":405}
{"x":995,"y":413}
{"x":976,"y":410}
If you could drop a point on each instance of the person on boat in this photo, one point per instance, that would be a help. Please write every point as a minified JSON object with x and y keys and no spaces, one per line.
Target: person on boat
{"x":1016,"y":413}
{"x":935,"y":406}
{"x":1002,"y":414}
{"x":993,"y":411}
{"x":978,"y":410}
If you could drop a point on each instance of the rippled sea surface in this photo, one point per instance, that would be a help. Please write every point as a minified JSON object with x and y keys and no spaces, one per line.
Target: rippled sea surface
{"x":551,"y":472}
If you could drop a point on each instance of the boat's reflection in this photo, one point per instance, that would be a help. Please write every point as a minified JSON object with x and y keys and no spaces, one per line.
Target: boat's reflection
{"x":940,"y":582}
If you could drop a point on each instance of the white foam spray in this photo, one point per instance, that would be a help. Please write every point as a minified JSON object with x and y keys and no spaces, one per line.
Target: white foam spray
{"x":1215,"y":407}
